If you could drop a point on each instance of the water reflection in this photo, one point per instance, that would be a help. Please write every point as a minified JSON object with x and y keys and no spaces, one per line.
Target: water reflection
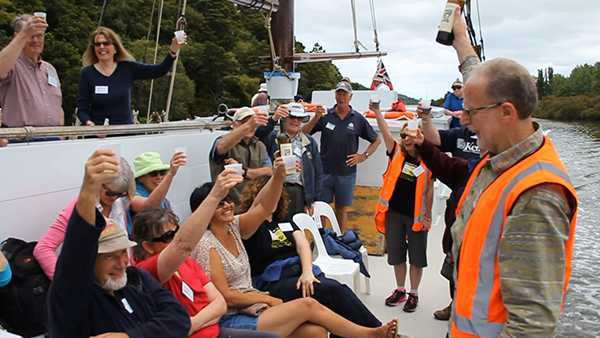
{"x":578,"y":145}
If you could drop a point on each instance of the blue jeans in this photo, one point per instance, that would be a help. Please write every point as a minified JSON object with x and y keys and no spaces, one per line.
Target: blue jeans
{"x":238,"y":321}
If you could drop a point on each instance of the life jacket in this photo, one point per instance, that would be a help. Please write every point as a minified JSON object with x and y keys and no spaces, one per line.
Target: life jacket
{"x":390,"y":177}
{"x":479,"y":306}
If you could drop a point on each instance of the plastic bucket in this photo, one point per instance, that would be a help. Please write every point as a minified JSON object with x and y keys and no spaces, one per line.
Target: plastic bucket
{"x":280,"y":87}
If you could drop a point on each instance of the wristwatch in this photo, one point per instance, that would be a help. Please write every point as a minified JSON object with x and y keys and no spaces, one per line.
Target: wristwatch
{"x":367,"y":154}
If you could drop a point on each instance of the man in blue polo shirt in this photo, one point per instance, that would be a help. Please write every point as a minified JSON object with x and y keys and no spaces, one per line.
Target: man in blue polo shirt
{"x":340,"y":128}
{"x":453,"y":104}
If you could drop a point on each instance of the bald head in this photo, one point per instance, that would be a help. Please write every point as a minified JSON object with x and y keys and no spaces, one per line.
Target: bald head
{"x":508,"y":81}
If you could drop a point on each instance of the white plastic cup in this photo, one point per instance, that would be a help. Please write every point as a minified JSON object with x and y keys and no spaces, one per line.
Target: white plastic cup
{"x":426,"y":105}
{"x":290,"y":164}
{"x":375,"y":99}
{"x":181,"y":149}
{"x":236,"y":166}
{"x":42,"y":14}
{"x":180,"y":37}
{"x":116,"y":147}
{"x":413,"y":125}
{"x":263,"y":110}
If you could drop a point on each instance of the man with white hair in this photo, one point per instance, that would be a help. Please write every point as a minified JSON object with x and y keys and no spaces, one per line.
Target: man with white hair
{"x":94,"y":293}
{"x":29,"y":86}
{"x":241,"y":146}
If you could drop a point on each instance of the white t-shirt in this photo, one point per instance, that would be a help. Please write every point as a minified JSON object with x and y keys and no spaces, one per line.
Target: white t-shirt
{"x":383,"y":87}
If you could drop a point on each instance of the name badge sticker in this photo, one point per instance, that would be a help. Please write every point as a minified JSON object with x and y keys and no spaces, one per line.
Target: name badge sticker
{"x":418,"y":171}
{"x":187,"y":291}
{"x":298,"y":152}
{"x":52,"y":79}
{"x":101,"y":90}
{"x":286,"y":227}
{"x":330,"y":126}
{"x":126,"y":305}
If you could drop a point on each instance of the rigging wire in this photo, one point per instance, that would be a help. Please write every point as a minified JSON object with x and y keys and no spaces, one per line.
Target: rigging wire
{"x":102,"y":13}
{"x":374,"y":22}
{"x":160,"y":12}
{"x":480,"y":32}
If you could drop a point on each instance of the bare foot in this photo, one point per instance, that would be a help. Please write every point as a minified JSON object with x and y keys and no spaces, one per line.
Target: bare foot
{"x":388,"y":330}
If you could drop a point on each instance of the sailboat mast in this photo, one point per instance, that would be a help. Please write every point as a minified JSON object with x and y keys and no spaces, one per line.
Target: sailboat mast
{"x":283,"y":34}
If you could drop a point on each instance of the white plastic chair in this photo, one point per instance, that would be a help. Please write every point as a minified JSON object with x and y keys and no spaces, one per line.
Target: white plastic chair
{"x":343,"y":270}
{"x":324,"y":209}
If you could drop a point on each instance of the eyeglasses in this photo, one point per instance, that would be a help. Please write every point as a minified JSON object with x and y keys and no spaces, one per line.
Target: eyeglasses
{"x":472,"y":112}
{"x":403,"y":135}
{"x":227,"y":199}
{"x":103,"y":43}
{"x":110,"y":193}
{"x":167,"y":237}
{"x":456,"y":87}
{"x":157,"y":172}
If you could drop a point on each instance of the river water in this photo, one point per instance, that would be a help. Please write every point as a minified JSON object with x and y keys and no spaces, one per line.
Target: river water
{"x":578,"y":145}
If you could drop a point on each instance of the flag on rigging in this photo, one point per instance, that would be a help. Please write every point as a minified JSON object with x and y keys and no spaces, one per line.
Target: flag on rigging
{"x":381,"y":75}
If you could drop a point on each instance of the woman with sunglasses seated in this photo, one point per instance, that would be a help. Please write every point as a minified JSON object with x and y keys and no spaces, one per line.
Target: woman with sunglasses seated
{"x":106,"y":81}
{"x":403,"y":212}
{"x":164,"y":250}
{"x":113,"y":201}
{"x":222,"y":256}
{"x":283,"y":245}
{"x":153,"y":179}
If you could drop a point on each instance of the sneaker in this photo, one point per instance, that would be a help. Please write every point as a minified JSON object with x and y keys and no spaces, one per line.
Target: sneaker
{"x":411,"y":303}
{"x":396,"y":298}
{"x":443,"y":314}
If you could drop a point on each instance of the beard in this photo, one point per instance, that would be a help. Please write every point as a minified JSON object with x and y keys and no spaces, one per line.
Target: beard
{"x":115,"y":284}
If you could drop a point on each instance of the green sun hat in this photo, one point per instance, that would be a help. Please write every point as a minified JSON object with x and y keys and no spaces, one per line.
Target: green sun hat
{"x":147,"y":163}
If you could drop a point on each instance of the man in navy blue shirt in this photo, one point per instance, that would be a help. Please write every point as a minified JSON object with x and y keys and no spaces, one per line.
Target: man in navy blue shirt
{"x":453,"y":103}
{"x":340,"y":128}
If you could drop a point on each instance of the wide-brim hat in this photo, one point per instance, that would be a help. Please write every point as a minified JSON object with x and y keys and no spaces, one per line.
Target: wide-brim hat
{"x":147,"y":163}
{"x":297,"y":110}
{"x":263,"y":87}
{"x":113,"y":238}
{"x":345,"y":86}
{"x":242,"y":113}
{"x":457,"y":83}
{"x":378,"y":77}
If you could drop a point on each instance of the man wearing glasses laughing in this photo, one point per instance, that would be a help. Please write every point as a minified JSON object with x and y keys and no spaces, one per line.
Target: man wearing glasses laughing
{"x":515,"y":224}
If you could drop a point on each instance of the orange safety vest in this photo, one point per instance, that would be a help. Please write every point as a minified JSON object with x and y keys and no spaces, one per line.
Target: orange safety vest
{"x":479,"y":306}
{"x":390,"y":177}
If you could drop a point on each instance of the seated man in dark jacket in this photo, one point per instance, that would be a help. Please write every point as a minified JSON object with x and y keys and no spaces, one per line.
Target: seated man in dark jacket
{"x":94,"y":292}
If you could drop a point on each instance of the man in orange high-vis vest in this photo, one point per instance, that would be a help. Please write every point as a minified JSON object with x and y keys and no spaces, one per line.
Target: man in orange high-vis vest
{"x":513,"y":234}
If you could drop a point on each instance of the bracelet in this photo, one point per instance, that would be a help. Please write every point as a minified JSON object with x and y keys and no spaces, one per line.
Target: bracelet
{"x":428,"y":219}
{"x":172,"y":52}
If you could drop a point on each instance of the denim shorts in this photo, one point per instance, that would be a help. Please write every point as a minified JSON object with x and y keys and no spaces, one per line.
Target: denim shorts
{"x":238,"y":321}
{"x":342,"y":186}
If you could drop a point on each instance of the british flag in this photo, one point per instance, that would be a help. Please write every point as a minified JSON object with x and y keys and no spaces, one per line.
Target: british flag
{"x":382,"y":72}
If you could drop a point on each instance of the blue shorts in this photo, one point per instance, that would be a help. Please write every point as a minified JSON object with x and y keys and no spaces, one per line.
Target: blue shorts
{"x":342,"y":186}
{"x":238,"y":321}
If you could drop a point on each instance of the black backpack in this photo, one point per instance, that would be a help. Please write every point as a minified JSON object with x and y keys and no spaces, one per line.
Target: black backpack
{"x":23,"y":300}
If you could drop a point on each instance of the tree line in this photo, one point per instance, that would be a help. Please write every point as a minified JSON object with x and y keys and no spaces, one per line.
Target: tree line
{"x":220,"y":64}
{"x":576,"y":97}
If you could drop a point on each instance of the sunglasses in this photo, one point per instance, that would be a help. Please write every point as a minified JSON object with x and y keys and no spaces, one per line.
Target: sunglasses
{"x":110,"y":193}
{"x":157,"y":172}
{"x":472,"y":112}
{"x":227,"y":199}
{"x":403,"y":135}
{"x":456,"y":87}
{"x":167,"y":237}
{"x":103,"y":43}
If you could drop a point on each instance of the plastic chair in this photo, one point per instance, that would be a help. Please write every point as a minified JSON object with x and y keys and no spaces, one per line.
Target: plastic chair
{"x":343,"y":270}
{"x":324,"y":209}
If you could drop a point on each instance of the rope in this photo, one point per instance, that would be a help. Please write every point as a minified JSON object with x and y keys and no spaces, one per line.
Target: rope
{"x":357,"y":44}
{"x":374,"y":21}
{"x":276,"y":66}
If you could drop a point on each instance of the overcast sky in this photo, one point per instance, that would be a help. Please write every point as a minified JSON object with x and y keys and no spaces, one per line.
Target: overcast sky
{"x":535,"y":33}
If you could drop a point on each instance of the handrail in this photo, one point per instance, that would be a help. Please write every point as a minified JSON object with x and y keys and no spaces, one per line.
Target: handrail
{"x":28,"y":133}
